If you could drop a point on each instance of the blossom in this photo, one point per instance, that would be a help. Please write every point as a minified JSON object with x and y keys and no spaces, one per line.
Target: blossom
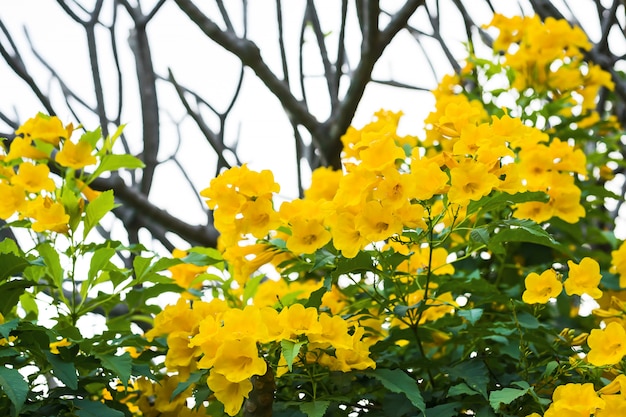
{"x":76,"y":156}
{"x":608,"y":345}
{"x":584,"y":278}
{"x":47,"y":215}
{"x":33,"y":178}
{"x":615,"y":406}
{"x":334,"y":332}
{"x":259,"y":217}
{"x":23,"y":148}
{"x":238,"y":360}
{"x":618,"y":263}
{"x":324,"y":184}
{"x":470,"y":181}
{"x":574,"y":400}
{"x":13,"y":199}
{"x":307,"y":236}
{"x":346,"y":237}
{"x":229,"y":393}
{"x":375,"y":222}
{"x":381,"y":153}
{"x":297,"y":320}
{"x":46,"y":128}
{"x":540,"y":288}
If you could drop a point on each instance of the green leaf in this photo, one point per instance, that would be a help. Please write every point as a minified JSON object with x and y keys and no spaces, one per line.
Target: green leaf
{"x":396,"y":380}
{"x":121,"y":365}
{"x":65,"y":371}
{"x":471,"y":315}
{"x":315,"y":299}
{"x":461,"y":389}
{"x":99,"y":260}
{"x":515,"y":230}
{"x":251,"y":286}
{"x":8,"y":245}
{"x":87,"y":408}
{"x":97,"y":209}
{"x":193,"y":378}
{"x":11,"y":265}
{"x":473,"y":372}
{"x":113,"y":162}
{"x":505,"y":396}
{"x":501,"y":200}
{"x":290,"y":351}
{"x":360,"y":263}
{"x":53,"y":263}
{"x":314,"y":408}
{"x":14,"y":386}
{"x":7,"y":327}
{"x":11,"y":292}
{"x":91,"y":137}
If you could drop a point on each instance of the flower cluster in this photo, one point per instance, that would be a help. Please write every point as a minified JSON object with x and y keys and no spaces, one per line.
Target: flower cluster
{"x":26,"y":182}
{"x":210,"y":335}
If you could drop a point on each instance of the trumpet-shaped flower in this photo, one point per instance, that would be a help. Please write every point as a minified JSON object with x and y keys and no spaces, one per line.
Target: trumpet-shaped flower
{"x":346,"y":237}
{"x":574,"y":400}
{"x":540,"y":288}
{"x":33,"y":178}
{"x":13,"y":199}
{"x":76,"y":156}
{"x":48,"y":215}
{"x":381,"y":153}
{"x":608,"y":345}
{"x":307,"y":236}
{"x":297,"y":320}
{"x":23,"y":148}
{"x":618,"y":263}
{"x":377,"y":223}
{"x":470,"y":181}
{"x":229,"y":393}
{"x":46,"y":128}
{"x":584,"y":278}
{"x":238,"y":360}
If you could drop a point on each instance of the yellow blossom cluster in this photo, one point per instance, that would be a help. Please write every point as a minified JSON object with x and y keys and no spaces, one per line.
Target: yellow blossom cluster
{"x":211,"y":335}
{"x":548,"y":55}
{"x":583,"y":278}
{"x":26,"y":183}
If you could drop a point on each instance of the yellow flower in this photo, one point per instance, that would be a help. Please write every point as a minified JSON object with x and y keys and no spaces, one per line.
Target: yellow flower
{"x":33,"y":178}
{"x":615,"y":406}
{"x":324,"y":184}
{"x":356,"y":357}
{"x":574,"y":400}
{"x":307,"y":236}
{"x":584,"y":278}
{"x":618,"y":263}
{"x":22,"y":148}
{"x":179,"y":353}
{"x":178,"y":317}
{"x":296,"y":320}
{"x":380,"y":154}
{"x":376,"y":223}
{"x":422,"y":260}
{"x":246,"y":323}
{"x":231,"y":394}
{"x":54,"y":346}
{"x":334,"y":332}
{"x":46,"y":128}
{"x":470,"y":181}
{"x":13,"y":199}
{"x":76,"y":156}
{"x":238,"y":359}
{"x":346,"y":237}
{"x":540,"y":288}
{"x":259,"y":217}
{"x":47,"y":215}
{"x":608,"y":346}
